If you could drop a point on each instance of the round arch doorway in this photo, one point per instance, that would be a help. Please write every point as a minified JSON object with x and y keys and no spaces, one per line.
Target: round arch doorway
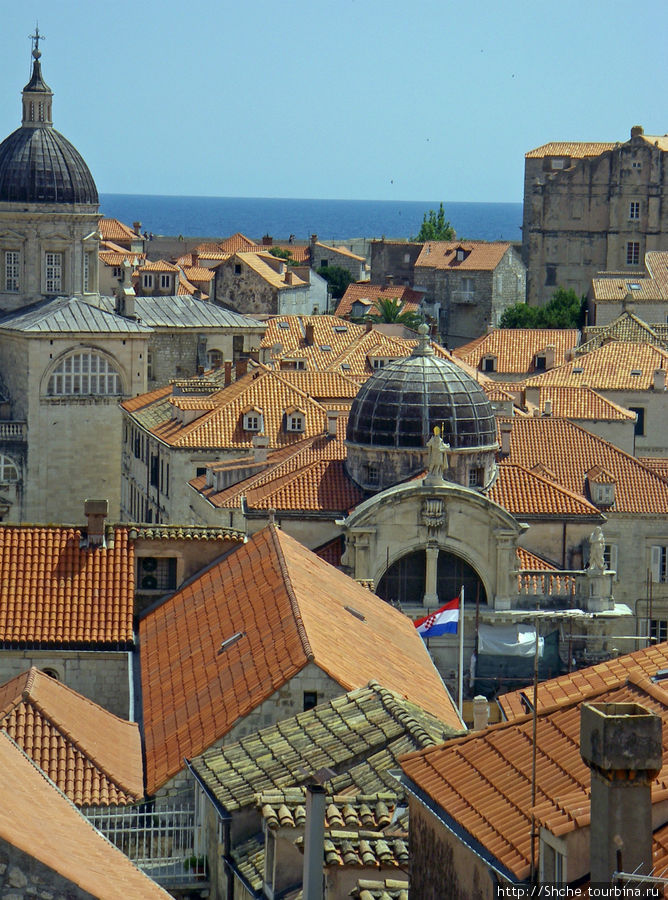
{"x":404,"y":582}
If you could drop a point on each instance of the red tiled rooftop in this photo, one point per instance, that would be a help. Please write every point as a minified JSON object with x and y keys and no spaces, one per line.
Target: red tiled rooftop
{"x":479,"y":255}
{"x":515,"y":349}
{"x":54,"y":591}
{"x":526,"y":493}
{"x":94,"y":757}
{"x":193,"y":695}
{"x":365,"y":290}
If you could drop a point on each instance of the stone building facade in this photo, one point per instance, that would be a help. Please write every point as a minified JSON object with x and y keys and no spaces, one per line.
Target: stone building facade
{"x":591,"y":207}
{"x":261,"y":284}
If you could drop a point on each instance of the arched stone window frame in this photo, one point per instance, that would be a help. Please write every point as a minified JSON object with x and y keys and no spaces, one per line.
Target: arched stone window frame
{"x":111,"y":363}
{"x":7,"y":463}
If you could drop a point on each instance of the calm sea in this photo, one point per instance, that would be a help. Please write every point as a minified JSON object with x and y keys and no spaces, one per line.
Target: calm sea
{"x":329,"y":219}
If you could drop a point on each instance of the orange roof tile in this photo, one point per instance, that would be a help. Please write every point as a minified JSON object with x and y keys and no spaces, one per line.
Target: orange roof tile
{"x":321,"y":385}
{"x":193,"y":694}
{"x":581,"y":403}
{"x":158,"y":265}
{"x":646,"y":661}
{"x":54,"y":591}
{"x":526,"y":493}
{"x":342,"y":250}
{"x":658,"y":465}
{"x":198,"y":273}
{"x":262,"y":263}
{"x":610,"y":367}
{"x":528,"y":560}
{"x":300,"y":253}
{"x":484,"y":782}
{"x":114,"y":230}
{"x":480,"y":255}
{"x":515,"y":349}
{"x":365,"y":290}
{"x":94,"y":757}
{"x":570,"y":451}
{"x":42,"y":823}
{"x":575,"y":149}
{"x":238,"y":243}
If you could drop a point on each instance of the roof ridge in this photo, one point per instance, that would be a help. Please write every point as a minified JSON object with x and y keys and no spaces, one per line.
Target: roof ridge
{"x":395,"y":706}
{"x":294,"y":603}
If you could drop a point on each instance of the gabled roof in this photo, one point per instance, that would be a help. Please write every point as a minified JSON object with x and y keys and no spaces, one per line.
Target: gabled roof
{"x":263,"y":264}
{"x":94,"y":757}
{"x":575,"y":149}
{"x":69,"y":315}
{"x":609,"y":367}
{"x":515,"y":349}
{"x":483,"y":782}
{"x":115,"y":230}
{"x":343,"y":251}
{"x":358,"y":736}
{"x":365,"y":290}
{"x":626,"y":327}
{"x":480,"y":256}
{"x":323,"y":386}
{"x":236,"y":243}
{"x":158,"y":265}
{"x":575,"y":685}
{"x":53,"y":591}
{"x":581,"y":403}
{"x":526,"y":493}
{"x":193,"y":695}
{"x":184,"y":312}
{"x":37,"y":819}
{"x":570,"y":451}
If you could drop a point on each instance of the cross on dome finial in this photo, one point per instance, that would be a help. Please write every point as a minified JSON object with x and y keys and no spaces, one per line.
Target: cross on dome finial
{"x":35,"y":38}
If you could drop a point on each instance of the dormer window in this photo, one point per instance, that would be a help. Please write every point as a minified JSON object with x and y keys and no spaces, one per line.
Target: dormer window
{"x":540,"y":363}
{"x":294,"y":420}
{"x":488,"y":364}
{"x":165,"y":282}
{"x":460,"y":254}
{"x":147,"y":281}
{"x":253,"y":420}
{"x":601,"y":487}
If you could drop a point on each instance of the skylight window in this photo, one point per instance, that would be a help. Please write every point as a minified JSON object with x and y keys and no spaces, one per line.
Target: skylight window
{"x":633,"y":286}
{"x":325,"y":347}
{"x":283,"y":324}
{"x":345,"y":366}
{"x":636,"y":372}
{"x":578,"y":370}
{"x":341,"y":328}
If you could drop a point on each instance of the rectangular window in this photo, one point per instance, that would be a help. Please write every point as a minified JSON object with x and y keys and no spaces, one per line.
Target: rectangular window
{"x":154,"y":471}
{"x":634,"y":209}
{"x":659,"y":564}
{"x":86,"y":272}
{"x":310,"y":699}
{"x":54,"y":273}
{"x":632,"y":253}
{"x":295,"y":422}
{"x":237,"y":268}
{"x":11,"y":270}
{"x":639,"y":430}
{"x":476,"y":477}
{"x":147,"y":281}
{"x":550,"y":275}
{"x":658,"y":630}
{"x":165,"y":281}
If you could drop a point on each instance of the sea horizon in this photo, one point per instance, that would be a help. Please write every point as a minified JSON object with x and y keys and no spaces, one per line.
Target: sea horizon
{"x":205,"y":216}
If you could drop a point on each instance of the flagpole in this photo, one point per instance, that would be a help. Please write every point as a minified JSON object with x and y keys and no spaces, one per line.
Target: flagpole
{"x":460,"y":629}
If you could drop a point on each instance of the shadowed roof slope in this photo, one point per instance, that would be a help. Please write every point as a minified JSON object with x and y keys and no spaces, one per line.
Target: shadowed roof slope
{"x":92,"y":756}
{"x":267,"y":590}
{"x":54,"y":591}
{"x":37,"y":819}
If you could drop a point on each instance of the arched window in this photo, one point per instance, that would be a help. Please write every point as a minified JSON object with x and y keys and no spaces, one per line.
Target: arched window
{"x":9,"y":471}
{"x":82,"y":373}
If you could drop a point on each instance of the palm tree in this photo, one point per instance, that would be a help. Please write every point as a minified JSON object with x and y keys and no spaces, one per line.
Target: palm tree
{"x":390,"y":310}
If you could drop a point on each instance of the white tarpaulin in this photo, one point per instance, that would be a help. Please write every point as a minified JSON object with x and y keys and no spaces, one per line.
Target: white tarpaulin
{"x":508,"y":640}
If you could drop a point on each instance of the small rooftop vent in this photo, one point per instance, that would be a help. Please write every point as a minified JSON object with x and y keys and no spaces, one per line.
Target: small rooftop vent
{"x":577,"y":370}
{"x":283,"y":324}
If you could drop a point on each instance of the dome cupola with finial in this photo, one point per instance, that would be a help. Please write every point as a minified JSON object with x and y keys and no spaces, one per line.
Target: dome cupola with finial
{"x":395,"y":413}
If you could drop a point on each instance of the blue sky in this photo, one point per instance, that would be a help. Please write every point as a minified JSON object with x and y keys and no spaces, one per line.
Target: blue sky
{"x":350,"y":99}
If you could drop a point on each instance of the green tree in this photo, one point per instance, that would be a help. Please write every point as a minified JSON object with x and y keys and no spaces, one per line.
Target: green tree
{"x":391,"y":310}
{"x":282,"y":253}
{"x":434,"y":227}
{"x":565,"y":309}
{"x":337,"y":278}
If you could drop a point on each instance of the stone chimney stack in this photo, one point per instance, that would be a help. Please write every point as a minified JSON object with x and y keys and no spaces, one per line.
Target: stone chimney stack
{"x":228,"y":372}
{"x":637,"y":131}
{"x":506,"y":431}
{"x":332,"y":420}
{"x":622,"y":745}
{"x":260,"y":447}
{"x":659,"y":379}
{"x":480,"y":713}
{"x":314,"y":842}
{"x":241,"y":367}
{"x":136,"y":227}
{"x":309,"y":334}
{"x":96,"y":512}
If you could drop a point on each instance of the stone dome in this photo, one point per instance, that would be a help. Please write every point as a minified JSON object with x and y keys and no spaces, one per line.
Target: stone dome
{"x":402,"y":402}
{"x":39,"y":165}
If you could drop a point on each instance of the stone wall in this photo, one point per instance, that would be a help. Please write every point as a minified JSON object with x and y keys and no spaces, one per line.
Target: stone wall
{"x":22,"y":877}
{"x":244,"y":291}
{"x":101,"y":675}
{"x":322,"y":255}
{"x":394,"y":258}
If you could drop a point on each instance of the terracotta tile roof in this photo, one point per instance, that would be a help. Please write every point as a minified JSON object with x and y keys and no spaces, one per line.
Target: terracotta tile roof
{"x":301,"y":253}
{"x":570,"y":451}
{"x":198,"y":273}
{"x":183,"y":533}
{"x":575,"y":149}
{"x":388,"y":889}
{"x":321,"y":385}
{"x":211,"y":252}
{"x":41,"y":822}
{"x":582,"y":403}
{"x":647,"y":661}
{"x":483,"y":782}
{"x":91,"y":755}
{"x":114,"y":230}
{"x":480,"y":255}
{"x":357,"y":736}
{"x":222,"y":426}
{"x":609,"y":368}
{"x":117,"y":258}
{"x":184,"y":288}
{"x":342,"y":250}
{"x":345,"y":847}
{"x":54,"y":591}
{"x":528,"y":560}
{"x":364,"y":290}
{"x":526,"y":493}
{"x":143,"y":400}
{"x":515,"y":349}
{"x":158,"y":265}
{"x":248,"y":857}
{"x":238,"y":243}
{"x":260,"y":263}
{"x":626,"y":327}
{"x":658,"y":465}
{"x":332,"y":551}
{"x":193,"y":695}
{"x":287,"y":809}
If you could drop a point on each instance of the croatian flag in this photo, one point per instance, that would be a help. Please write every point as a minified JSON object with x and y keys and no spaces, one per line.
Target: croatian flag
{"x":443,"y":621}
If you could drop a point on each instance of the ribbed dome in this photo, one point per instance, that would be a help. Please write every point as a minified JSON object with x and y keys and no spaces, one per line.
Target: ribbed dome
{"x":39,"y":165}
{"x":402,"y":402}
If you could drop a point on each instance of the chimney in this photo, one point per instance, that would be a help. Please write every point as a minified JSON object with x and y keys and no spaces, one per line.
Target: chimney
{"x":480,"y":713}
{"x":369,"y":326}
{"x":195,"y":258}
{"x":659,"y":379}
{"x":314,"y":842}
{"x":389,"y":279}
{"x":549,"y":354}
{"x":547,"y":408}
{"x":267,"y":240}
{"x":314,"y":239}
{"x":332,"y":420}
{"x":241,"y":367}
{"x":309,"y":334}
{"x":228,"y":372}
{"x":288,"y":277}
{"x":136,"y":227}
{"x":260,"y":445}
{"x":622,"y":745}
{"x":637,"y":131}
{"x":95,"y":512}
{"x":628,"y":303}
{"x":506,"y":431}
